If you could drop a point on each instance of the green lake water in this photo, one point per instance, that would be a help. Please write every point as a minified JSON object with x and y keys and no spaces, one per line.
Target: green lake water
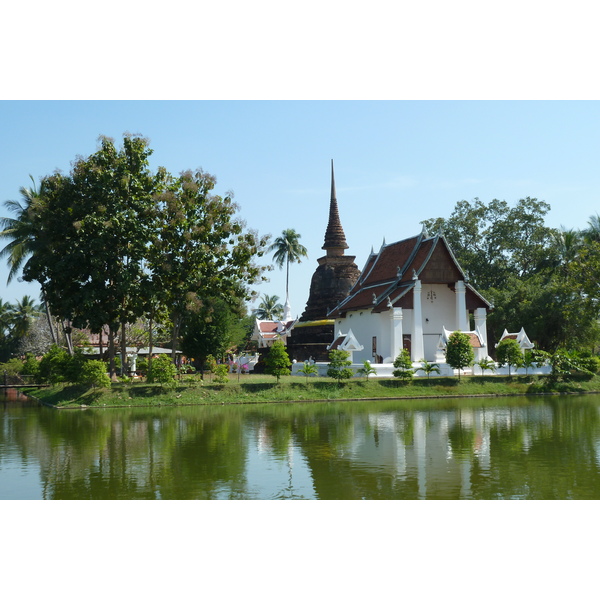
{"x":510,"y":448}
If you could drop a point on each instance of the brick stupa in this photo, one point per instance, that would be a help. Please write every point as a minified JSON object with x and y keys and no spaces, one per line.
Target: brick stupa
{"x":331,"y":282}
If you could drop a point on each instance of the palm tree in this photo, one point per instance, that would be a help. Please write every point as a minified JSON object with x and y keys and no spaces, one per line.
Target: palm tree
{"x":592,"y":233}
{"x":22,"y":315}
{"x":269,"y":309}
{"x":428,"y":368}
{"x":22,"y":234}
{"x":20,"y":231}
{"x":287,"y":249}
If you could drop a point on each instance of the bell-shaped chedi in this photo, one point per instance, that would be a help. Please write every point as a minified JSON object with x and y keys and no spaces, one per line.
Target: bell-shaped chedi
{"x":337,"y":273}
{"x":331,"y":282}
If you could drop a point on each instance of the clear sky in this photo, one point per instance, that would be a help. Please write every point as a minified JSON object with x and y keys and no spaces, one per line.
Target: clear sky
{"x":396,"y":162}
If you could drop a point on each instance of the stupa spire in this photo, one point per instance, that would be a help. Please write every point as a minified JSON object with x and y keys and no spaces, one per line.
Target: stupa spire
{"x":335,"y":239}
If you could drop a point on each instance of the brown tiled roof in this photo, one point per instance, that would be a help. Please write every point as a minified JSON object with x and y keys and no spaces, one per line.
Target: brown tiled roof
{"x":389,"y":274}
{"x":474,"y":340}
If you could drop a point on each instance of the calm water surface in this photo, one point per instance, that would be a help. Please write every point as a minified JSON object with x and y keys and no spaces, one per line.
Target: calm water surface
{"x":516,"y":448}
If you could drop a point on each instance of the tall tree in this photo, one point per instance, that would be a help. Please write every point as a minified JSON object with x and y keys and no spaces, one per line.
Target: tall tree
{"x":495,"y":241}
{"x":287,"y":249}
{"x":202,"y":250}
{"x":97,"y":226}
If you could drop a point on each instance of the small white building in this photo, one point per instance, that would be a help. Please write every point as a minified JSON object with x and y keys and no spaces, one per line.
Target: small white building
{"x":266,"y":332}
{"x":410,"y":295}
{"x":521,"y":338}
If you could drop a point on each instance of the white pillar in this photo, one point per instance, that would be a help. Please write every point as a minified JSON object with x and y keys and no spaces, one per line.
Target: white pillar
{"x":396,"y":333}
{"x":417,"y":330}
{"x":481,"y":324}
{"x":462,"y":322}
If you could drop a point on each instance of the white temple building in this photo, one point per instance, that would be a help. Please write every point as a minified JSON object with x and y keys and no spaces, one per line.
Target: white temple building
{"x":411,"y":294}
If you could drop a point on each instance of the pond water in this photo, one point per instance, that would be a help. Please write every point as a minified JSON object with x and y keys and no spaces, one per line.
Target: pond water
{"x":512,"y":448}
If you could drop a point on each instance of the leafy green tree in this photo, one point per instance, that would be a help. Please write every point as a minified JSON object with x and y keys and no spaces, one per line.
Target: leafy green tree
{"x":269,"y":309}
{"x":428,"y":368}
{"x":287,"y":249}
{"x":508,"y":352}
{"x":366,"y":370}
{"x":494,"y":241}
{"x":339,"y":363}
{"x":277,"y":360}
{"x":215,"y":328}
{"x":97,"y":225}
{"x":201,"y":251}
{"x":459,"y":353}
{"x":403,"y":363}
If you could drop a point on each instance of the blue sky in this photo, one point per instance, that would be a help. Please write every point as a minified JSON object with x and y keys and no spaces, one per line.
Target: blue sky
{"x":396,"y":162}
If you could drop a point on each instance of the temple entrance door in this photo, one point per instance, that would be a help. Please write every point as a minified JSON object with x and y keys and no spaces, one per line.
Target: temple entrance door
{"x":406,"y":343}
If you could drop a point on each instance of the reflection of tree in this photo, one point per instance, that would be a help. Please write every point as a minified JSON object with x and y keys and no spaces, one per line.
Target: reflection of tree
{"x":539,"y":448}
{"x":140,"y":454}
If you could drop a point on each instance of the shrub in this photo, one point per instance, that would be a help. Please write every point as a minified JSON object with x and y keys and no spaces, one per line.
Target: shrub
{"x":93,"y":373}
{"x":54,"y":365}
{"x":221,"y":372}
{"x":339,"y":363}
{"x":162,"y":370}
{"x":403,"y":364}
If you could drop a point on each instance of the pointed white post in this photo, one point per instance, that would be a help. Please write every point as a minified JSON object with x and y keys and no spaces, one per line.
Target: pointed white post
{"x":461,"y":307}
{"x":397,"y":334}
{"x":417,"y":330}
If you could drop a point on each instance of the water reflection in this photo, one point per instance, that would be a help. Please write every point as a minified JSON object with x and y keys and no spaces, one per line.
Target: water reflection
{"x":460,"y":449}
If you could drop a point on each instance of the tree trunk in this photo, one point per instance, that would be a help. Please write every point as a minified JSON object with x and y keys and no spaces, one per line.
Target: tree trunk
{"x":123,"y":350}
{"x":150,"y":341}
{"x":111,"y":352}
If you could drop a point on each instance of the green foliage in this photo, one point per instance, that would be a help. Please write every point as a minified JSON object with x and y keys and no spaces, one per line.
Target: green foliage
{"x":459,"y":353}
{"x":309,"y":369}
{"x":221,"y":373}
{"x":494,"y":241}
{"x":486,"y":364}
{"x":269,"y":309}
{"x":215,"y":328}
{"x":54,"y":366}
{"x":277,"y":360}
{"x":141,"y":365}
{"x":162,"y":370}
{"x":287,"y":249}
{"x":339,"y":363}
{"x":428,"y":368}
{"x":508,"y":352}
{"x":403,"y":364}
{"x":93,"y":373}
{"x":366,"y":370}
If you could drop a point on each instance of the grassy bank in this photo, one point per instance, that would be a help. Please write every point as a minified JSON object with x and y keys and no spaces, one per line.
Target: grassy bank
{"x":251,"y":389}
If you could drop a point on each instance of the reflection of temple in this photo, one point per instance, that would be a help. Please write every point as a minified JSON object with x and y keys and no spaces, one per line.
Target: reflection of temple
{"x":333,"y":279}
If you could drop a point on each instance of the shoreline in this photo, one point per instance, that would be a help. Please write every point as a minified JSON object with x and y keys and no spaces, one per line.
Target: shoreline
{"x":141,"y":395}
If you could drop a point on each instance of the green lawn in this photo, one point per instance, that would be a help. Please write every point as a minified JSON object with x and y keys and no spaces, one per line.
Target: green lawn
{"x":249,"y":389}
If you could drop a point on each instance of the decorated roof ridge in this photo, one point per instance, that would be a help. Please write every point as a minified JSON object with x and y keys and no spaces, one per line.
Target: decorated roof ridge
{"x":334,"y":235}
{"x":434,"y":244}
{"x":376,"y":257}
{"x":385,"y":299}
